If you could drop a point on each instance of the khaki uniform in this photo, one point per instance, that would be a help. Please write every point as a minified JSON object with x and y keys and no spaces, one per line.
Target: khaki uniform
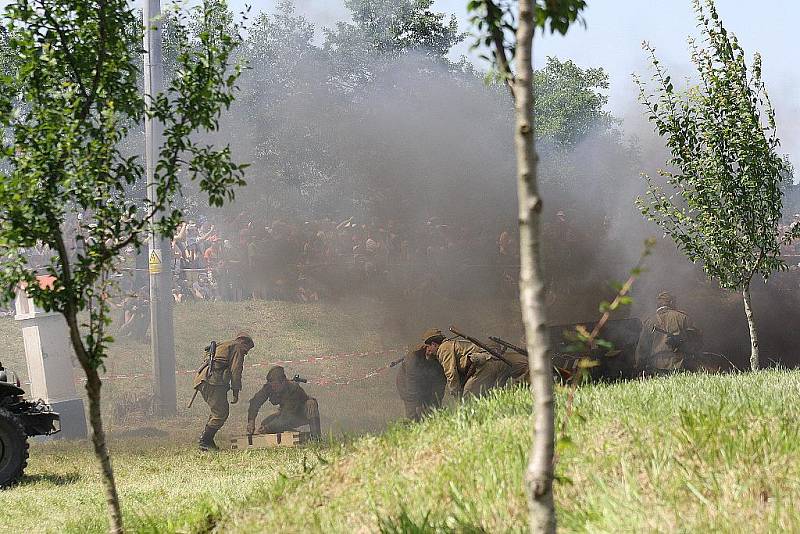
{"x":471,"y":371}
{"x":226,"y":374}
{"x":295,"y":408}
{"x":420,"y":382}
{"x":653,"y":352}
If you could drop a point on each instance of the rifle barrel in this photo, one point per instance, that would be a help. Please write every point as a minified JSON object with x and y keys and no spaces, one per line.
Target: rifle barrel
{"x":481,"y":345}
{"x":508,"y":345}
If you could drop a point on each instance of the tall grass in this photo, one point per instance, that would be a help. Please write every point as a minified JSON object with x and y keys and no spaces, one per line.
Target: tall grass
{"x":691,"y":453}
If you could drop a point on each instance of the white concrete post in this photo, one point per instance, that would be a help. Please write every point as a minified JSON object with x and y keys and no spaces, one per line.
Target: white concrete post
{"x":49,"y":356}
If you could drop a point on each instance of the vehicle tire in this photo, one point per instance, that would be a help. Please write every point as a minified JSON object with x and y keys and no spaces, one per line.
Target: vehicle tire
{"x":13,"y":449}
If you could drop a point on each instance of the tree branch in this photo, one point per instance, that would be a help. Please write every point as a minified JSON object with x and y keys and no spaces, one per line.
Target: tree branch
{"x":101,"y":56}
{"x":498,"y":40}
{"x":62,"y":36}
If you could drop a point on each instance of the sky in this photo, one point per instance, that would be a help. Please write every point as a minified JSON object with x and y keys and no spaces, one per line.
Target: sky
{"x":613,"y":36}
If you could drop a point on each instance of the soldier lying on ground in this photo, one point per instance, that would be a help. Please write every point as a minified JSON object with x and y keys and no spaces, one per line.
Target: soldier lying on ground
{"x":221,"y":372}
{"x":469,"y":370}
{"x":295,"y":407}
{"x":420,"y":382}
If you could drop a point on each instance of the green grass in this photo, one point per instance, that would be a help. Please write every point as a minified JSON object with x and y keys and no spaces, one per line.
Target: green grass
{"x":682,"y":454}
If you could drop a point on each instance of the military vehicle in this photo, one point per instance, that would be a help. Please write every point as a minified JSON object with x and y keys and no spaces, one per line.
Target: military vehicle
{"x":20,"y":419}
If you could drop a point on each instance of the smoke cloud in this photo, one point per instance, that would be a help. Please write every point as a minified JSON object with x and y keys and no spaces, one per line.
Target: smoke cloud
{"x":424,"y":150}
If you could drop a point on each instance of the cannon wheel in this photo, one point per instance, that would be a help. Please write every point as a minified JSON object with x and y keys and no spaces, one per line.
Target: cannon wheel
{"x":13,"y":449}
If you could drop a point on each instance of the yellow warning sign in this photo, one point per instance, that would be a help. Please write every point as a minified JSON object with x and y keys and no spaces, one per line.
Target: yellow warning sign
{"x":155,"y":261}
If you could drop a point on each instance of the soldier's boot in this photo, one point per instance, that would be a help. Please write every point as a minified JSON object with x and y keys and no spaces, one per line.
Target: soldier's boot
{"x":312,"y":414}
{"x":316,"y":428}
{"x":206,"y":441}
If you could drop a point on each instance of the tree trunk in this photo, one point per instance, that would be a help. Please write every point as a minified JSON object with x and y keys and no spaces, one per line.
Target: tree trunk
{"x":539,"y":475}
{"x":93,"y":385}
{"x":748,"y":311}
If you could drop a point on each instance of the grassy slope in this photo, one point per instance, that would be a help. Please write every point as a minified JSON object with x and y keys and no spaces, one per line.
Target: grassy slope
{"x":690,"y":453}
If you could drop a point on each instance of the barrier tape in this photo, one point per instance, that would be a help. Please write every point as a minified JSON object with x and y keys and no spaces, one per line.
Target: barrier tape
{"x":347,"y":381}
{"x":325,"y":381}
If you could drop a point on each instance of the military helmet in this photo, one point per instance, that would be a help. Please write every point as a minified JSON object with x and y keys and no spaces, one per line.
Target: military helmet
{"x":665,"y":298}
{"x":245,"y":336}
{"x":276,"y":373}
{"x":432,"y":335}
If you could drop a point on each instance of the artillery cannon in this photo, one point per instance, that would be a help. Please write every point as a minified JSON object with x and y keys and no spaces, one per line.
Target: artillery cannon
{"x":619,"y":363}
{"x":616,"y":364}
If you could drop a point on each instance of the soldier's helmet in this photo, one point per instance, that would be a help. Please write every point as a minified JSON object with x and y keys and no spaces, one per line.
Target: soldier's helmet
{"x":246,"y":337}
{"x":276,"y":373}
{"x":665,"y":298}
{"x":432,"y":335}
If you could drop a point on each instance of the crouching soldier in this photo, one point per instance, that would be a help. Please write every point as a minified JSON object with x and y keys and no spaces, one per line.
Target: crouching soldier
{"x":420,"y":382}
{"x":295,"y":407}
{"x":469,"y":370}
{"x":221,"y":372}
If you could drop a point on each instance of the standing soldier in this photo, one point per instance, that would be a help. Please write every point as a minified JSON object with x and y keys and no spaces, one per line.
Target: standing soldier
{"x":420,"y":381}
{"x":666,"y":339}
{"x":221,"y":372}
{"x":295,"y":407}
{"x":470,"y":370}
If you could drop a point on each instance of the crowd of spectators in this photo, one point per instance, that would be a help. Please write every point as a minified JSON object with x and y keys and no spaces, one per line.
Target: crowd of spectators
{"x":307,"y":261}
{"x":242,"y":258}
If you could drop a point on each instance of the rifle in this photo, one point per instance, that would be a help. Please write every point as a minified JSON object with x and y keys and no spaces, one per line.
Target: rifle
{"x":496,"y":355}
{"x":509,"y":346}
{"x":563,"y":373}
{"x":211,"y":349}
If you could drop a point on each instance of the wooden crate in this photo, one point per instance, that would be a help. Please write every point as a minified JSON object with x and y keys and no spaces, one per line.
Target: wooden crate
{"x":263,"y":441}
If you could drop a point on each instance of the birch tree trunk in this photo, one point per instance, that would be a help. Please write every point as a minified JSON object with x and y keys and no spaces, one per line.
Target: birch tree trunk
{"x":748,"y":311}
{"x":539,"y":475}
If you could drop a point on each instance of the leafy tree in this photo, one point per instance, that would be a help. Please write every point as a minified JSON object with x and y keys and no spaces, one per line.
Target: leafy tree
{"x":724,"y":164}
{"x":381,"y":30}
{"x":569,"y":102}
{"x":511,"y":37}
{"x":70,"y":98}
{"x":284,"y":92}
{"x":393,"y":26}
{"x":298,"y":96}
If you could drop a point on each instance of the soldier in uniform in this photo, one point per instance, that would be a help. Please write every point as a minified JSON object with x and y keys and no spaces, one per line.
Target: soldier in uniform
{"x":666,"y":339}
{"x":215,"y":378}
{"x":469,"y":370}
{"x":420,"y":381}
{"x":295,"y":407}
